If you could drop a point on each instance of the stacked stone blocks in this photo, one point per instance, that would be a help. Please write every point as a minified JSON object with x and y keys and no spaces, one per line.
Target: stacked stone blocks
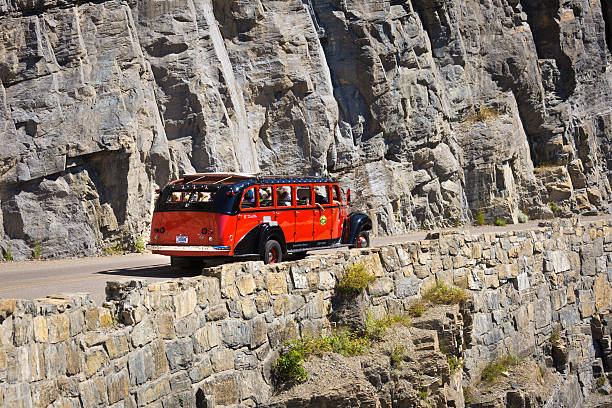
{"x":214,"y":338}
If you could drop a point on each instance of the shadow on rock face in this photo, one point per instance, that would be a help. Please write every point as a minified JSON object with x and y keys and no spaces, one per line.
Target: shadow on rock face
{"x":349,"y":310}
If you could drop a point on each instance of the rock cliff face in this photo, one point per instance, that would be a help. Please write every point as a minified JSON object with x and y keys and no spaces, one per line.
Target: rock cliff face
{"x":431,"y":111}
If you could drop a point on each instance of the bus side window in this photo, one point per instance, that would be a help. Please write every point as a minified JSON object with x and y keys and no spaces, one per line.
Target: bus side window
{"x":266,"y":199}
{"x":303,"y":195}
{"x":336,"y":194}
{"x":284,"y":196}
{"x":321,"y":195}
{"x":248,"y":199}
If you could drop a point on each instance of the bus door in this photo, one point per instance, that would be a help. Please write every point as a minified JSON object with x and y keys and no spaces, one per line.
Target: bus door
{"x":285,"y":211}
{"x":337,"y":217}
{"x":248,"y":220}
{"x":323,"y":214}
{"x":303,"y":214}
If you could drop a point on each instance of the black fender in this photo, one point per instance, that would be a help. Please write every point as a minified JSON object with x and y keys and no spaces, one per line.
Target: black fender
{"x":354,"y":223}
{"x":271,"y":232}
{"x":253,"y":241}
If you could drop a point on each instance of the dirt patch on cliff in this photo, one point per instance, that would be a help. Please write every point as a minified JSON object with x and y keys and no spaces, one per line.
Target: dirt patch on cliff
{"x":405,"y":368}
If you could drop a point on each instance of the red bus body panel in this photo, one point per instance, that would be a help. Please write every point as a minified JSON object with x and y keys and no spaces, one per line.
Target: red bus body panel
{"x":200,"y":228}
{"x":189,"y":233}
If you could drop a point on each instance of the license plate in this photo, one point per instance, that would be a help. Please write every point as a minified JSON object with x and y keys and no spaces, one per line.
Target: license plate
{"x":181,"y":240}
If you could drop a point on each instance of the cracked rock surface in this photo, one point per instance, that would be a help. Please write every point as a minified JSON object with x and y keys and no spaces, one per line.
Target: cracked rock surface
{"x":430,"y":111}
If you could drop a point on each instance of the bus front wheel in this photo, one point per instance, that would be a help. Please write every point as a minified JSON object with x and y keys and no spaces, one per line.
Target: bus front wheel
{"x":273,"y":252}
{"x":362,"y":240}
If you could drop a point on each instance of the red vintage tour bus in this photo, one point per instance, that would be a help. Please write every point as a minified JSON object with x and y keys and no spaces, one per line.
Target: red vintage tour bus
{"x":232,"y":215}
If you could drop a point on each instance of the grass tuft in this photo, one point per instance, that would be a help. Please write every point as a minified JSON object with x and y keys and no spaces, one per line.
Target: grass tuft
{"x":417,"y":309}
{"x":480,"y":218}
{"x":442,"y":294}
{"x":554,"y":339}
{"x":500,"y":222}
{"x":454,"y":363}
{"x":375,"y":328}
{"x":484,"y":113}
{"x":356,"y":278}
{"x":467,"y":396}
{"x":289,"y":368}
{"x":37,"y":251}
{"x":397,"y":355}
{"x":8,"y":255}
{"x":554,"y":207}
{"x":140,"y":245}
{"x":494,"y":368}
{"x":522,"y":217}
{"x":601,"y":381}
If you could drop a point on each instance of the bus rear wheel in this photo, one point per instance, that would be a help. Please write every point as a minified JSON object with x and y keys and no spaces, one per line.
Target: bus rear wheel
{"x":273,"y":252}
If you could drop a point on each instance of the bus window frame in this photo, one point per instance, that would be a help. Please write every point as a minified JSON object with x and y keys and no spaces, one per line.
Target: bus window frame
{"x":255,"y":194}
{"x":327,"y":187}
{"x":337,"y":188}
{"x":272,"y":193}
{"x":292,"y":196}
{"x":311,"y":201}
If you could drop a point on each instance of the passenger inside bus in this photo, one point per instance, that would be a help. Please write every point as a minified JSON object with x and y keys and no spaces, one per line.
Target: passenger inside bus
{"x":303,"y":195}
{"x":283,"y":196}
{"x":249,"y":199}
{"x":321,"y":195}
{"x":265,"y":197}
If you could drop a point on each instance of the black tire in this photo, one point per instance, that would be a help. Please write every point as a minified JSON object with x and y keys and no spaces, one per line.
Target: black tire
{"x":273,"y":252}
{"x":362,"y":239}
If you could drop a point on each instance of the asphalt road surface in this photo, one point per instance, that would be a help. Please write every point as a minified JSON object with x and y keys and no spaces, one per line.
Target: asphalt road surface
{"x":38,"y":279}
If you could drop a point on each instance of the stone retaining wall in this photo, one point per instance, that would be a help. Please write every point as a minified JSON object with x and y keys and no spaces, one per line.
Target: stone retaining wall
{"x":211,"y":340}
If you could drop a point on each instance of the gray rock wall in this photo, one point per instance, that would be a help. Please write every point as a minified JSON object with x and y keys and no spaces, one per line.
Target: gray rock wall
{"x":429,"y":111}
{"x":214,"y":338}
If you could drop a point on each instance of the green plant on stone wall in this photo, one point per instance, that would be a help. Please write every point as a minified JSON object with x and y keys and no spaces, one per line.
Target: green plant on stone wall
{"x":554,"y":207}
{"x":480,"y":218}
{"x":375,"y":328}
{"x":140,"y":245}
{"x":454,"y":363}
{"x":442,"y":294}
{"x":8,"y":255}
{"x":522,"y":217}
{"x":289,"y":368}
{"x":500,"y":222}
{"x":356,"y":278}
{"x":37,"y":251}
{"x":397,"y":355}
{"x":467,"y":396}
{"x":417,"y":309}
{"x":494,"y":368}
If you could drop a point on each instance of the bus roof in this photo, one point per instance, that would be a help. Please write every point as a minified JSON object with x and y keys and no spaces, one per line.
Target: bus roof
{"x":233,"y":178}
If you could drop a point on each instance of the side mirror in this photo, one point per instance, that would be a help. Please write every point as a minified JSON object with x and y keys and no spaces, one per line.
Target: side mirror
{"x":348,"y":196}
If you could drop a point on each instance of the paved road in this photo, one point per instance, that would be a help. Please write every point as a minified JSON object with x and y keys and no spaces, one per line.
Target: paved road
{"x":37,"y":279}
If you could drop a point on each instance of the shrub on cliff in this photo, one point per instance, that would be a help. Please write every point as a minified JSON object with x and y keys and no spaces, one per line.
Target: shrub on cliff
{"x":494,"y":368}
{"x":289,"y":368}
{"x":375,"y":328}
{"x":356,"y":278}
{"x":442,"y":294}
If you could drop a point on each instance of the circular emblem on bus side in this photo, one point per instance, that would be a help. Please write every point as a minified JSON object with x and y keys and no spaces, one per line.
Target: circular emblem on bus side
{"x":323,"y":220}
